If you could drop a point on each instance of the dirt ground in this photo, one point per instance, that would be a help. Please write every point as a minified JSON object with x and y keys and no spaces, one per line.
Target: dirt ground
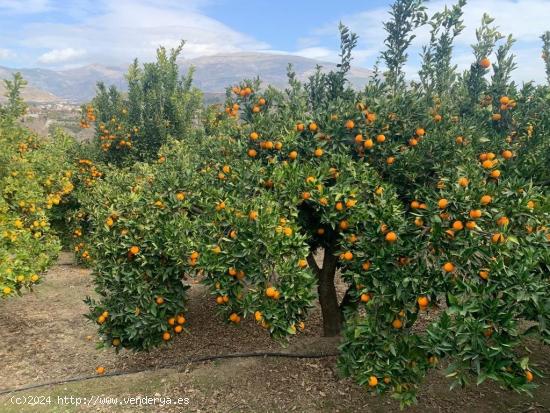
{"x":45,"y":338}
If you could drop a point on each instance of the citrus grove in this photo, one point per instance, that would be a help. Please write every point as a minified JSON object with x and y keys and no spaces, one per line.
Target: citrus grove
{"x":416,"y":212}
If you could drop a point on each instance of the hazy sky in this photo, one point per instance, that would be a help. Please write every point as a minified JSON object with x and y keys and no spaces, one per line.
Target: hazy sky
{"x":63,"y":34}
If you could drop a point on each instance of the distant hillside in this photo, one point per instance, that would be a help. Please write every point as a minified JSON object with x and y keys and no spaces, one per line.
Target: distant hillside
{"x":212,"y":75}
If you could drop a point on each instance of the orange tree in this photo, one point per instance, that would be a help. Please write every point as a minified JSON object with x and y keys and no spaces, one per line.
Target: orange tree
{"x":159,"y":104}
{"x":425,"y":198}
{"x":34,"y":179}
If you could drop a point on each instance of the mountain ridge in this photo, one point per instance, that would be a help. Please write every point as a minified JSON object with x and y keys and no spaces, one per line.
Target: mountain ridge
{"x":212,"y":75}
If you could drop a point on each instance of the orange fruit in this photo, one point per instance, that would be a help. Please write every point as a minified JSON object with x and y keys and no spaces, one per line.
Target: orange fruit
{"x":293,"y":155}
{"x":423,"y":301}
{"x":448,"y":267}
{"x":475,"y":213}
{"x":159,"y":300}
{"x":302,"y":263}
{"x":100,"y":370}
{"x":235,"y":318}
{"x":503,"y":221}
{"x":391,"y":236}
{"x":457,"y":225}
{"x":485,"y":63}
{"x":507,"y":154}
{"x":495,"y":173}
{"x":418,"y":221}
{"x":270,"y":292}
{"x":254,"y":136}
{"x":390,"y":160}
{"x":253,"y":215}
{"x":528,"y":376}
{"x":178,"y":329}
{"x":380,"y":138}
{"x":181,"y":319}
{"x":470,"y":225}
{"x":312,"y":126}
{"x":365,"y":265}
{"x":368,"y":144}
{"x":166,"y":336}
{"x":496,"y":116}
{"x":134,"y":250}
{"x":365,"y":298}
{"x":219,"y":300}
{"x":415,"y":204}
{"x":442,"y":203}
{"x":397,"y":323}
{"x":504,"y":100}
{"x":498,"y":238}
{"x":318,"y":152}
{"x":171,"y":321}
{"x":300,"y":127}
{"x":463,"y":182}
{"x":252,"y":153}
{"x":373,"y":381}
{"x":358,"y":138}
{"x":420,"y":132}
{"x":484,"y":274}
{"x":349,"y":124}
{"x":348,"y":256}
{"x":486,"y":200}
{"x":258,"y":316}
{"x":343,"y":225}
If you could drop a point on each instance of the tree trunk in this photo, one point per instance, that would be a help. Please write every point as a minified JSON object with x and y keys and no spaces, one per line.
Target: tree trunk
{"x":332,"y":317}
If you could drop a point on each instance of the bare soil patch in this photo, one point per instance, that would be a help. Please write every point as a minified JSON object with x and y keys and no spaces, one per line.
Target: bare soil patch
{"x":44,"y":338}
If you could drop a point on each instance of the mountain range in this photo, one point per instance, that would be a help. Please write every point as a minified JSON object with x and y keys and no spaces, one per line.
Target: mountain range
{"x":212,"y":75}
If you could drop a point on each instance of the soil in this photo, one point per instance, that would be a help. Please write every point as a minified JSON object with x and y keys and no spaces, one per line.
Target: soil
{"x":45,"y":338}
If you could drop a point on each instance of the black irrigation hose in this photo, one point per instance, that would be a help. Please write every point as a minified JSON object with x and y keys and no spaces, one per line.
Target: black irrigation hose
{"x":189,"y":360}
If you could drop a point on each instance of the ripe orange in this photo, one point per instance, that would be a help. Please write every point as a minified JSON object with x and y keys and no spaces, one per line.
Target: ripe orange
{"x":234,"y":318}
{"x":485,"y":63}
{"x":457,"y":225}
{"x":252,"y":153}
{"x":368,"y":144}
{"x":373,"y":381}
{"x":507,"y":154}
{"x":415,"y":204}
{"x":365,"y":298}
{"x":181,"y":319}
{"x":219,"y":300}
{"x":390,"y":160}
{"x":343,"y":225}
{"x":166,"y":336}
{"x":437,"y":118}
{"x":503,"y":221}
{"x":159,"y":300}
{"x":475,"y":213}
{"x":498,"y":238}
{"x":302,"y":263}
{"x":528,"y":376}
{"x":496,"y":117}
{"x":171,"y":321}
{"x":420,"y":132}
{"x":397,"y":323}
{"x":459,"y":140}
{"x":423,"y":301}
{"x":349,"y":124}
{"x":100,"y":370}
{"x":448,"y":267}
{"x":300,"y":127}
{"x":484,"y":274}
{"x":418,"y":221}
{"x":293,"y":155}
{"x":254,"y":135}
{"x":180,"y":196}
{"x":306,"y":195}
{"x":178,"y":329}
{"x":380,"y":138}
{"x":253,"y":215}
{"x":312,"y":126}
{"x":470,"y":225}
{"x":391,"y":236}
{"x":463,"y":182}
{"x":270,"y":292}
{"x":495,"y":174}
{"x":504,"y":100}
{"x":348,"y":256}
{"x":486,"y":200}
{"x":366,"y":265}
{"x":358,"y":138}
{"x":134,"y":250}
{"x":318,"y":152}
{"x":442,"y":203}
